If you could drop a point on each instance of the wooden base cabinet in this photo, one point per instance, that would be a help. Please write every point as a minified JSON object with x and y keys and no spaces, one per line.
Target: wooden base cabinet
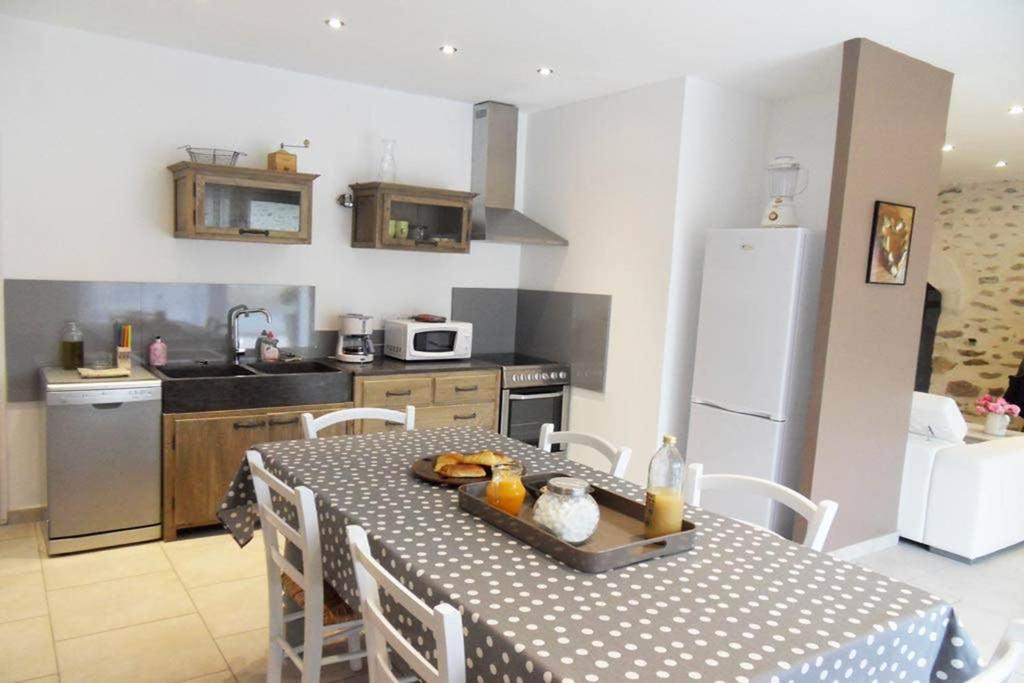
{"x":202,"y":452}
{"x":450,"y":399}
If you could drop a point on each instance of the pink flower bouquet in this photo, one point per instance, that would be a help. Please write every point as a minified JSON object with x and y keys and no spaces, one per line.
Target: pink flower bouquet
{"x":986,"y":405}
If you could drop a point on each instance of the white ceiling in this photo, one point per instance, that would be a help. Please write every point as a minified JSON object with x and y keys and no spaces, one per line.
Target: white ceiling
{"x":600,"y":46}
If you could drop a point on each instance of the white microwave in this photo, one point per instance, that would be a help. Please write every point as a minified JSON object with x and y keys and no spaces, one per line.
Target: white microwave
{"x":412,"y":340}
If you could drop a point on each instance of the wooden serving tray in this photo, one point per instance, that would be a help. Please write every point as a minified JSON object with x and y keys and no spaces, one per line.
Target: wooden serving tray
{"x":618,"y":541}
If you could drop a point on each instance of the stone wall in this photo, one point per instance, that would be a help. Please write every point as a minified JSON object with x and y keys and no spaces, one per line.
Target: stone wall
{"x":978,"y":265}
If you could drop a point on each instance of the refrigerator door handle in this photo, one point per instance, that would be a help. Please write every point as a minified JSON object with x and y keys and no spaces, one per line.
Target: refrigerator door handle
{"x":753,"y":413}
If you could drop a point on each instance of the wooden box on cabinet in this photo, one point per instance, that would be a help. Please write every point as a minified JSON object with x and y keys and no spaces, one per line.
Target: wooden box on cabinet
{"x":443,"y":216}
{"x":243,"y":204}
{"x":202,"y":452}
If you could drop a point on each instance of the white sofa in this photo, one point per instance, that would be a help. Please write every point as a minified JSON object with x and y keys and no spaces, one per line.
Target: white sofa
{"x":963,"y":500}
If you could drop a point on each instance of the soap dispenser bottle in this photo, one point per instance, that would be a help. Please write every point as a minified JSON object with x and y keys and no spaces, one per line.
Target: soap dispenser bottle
{"x":157,"y":353}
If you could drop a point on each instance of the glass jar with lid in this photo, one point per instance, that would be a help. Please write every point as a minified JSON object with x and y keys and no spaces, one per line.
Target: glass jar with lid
{"x":506,"y":490}
{"x":566,"y":509}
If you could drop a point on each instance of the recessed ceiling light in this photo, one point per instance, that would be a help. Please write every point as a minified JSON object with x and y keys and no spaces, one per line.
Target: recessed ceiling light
{"x":948,"y":147}
{"x":1000,"y":164}
{"x":335,"y":23}
{"x":448,"y":49}
{"x":1016,"y":109}
{"x":545,"y":71}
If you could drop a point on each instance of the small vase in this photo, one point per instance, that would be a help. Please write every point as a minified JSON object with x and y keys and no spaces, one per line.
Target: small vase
{"x":996,"y":424}
{"x":388,"y":170}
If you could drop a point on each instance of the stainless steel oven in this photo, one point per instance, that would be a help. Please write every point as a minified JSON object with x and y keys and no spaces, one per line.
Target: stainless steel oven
{"x":523,"y":411}
{"x":533,"y":391}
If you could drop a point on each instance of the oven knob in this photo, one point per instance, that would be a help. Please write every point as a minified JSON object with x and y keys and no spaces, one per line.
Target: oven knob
{"x":516,"y":377}
{"x":563,"y":375}
{"x":533,"y":376}
{"x":545,"y":376}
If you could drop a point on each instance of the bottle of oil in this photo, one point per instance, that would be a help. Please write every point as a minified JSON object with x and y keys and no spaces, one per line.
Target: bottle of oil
{"x":664,"y":510}
{"x":72,"y":349}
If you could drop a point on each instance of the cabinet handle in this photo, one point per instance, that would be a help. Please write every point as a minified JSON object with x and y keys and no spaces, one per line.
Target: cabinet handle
{"x":289,"y":421}
{"x":250,"y":231}
{"x":475,"y":387}
{"x":407,"y":392}
{"x":471,"y":416}
{"x":251,"y":424}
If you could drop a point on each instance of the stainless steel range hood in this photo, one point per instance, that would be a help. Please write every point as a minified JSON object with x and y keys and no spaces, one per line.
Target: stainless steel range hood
{"x":494,"y":180}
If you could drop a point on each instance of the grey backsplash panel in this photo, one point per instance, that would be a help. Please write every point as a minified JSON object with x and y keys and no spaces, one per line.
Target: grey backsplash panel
{"x":192,"y":318}
{"x":561,"y":326}
{"x":493,"y":314}
{"x":569,"y":328}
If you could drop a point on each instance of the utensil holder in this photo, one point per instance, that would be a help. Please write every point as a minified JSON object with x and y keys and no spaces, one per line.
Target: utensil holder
{"x":124,"y":357}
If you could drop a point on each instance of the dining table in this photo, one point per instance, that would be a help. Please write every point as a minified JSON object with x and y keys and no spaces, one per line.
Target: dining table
{"x":742,"y":605}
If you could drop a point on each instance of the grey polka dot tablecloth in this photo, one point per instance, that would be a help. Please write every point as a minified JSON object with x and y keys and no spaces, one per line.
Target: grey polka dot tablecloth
{"x":743,"y":605}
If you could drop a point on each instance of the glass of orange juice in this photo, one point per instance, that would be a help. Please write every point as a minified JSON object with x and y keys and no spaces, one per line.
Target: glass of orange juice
{"x":506,"y":490}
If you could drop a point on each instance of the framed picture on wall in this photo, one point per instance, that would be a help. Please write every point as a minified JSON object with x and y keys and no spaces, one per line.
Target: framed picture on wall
{"x":891,"y":231}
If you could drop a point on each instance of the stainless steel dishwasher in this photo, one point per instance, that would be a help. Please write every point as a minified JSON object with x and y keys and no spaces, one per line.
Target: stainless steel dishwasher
{"x":103,"y":461}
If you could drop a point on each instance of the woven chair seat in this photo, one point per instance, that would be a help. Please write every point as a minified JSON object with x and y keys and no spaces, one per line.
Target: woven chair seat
{"x":336,"y":610}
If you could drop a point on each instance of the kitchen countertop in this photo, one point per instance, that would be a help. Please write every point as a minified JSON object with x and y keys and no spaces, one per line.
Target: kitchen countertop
{"x":59,"y":378}
{"x":391,"y":366}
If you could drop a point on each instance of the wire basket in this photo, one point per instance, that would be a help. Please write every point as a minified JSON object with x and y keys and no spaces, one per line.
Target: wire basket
{"x":212,"y":155}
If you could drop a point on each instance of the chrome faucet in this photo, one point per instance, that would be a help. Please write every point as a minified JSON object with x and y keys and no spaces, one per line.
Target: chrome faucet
{"x":234,"y":313}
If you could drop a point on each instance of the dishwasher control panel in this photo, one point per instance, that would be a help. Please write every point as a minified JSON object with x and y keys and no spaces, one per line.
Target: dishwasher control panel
{"x":102,"y":396}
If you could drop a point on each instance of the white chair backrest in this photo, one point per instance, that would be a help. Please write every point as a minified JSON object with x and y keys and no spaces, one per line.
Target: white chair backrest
{"x":443,"y":620}
{"x":618,"y":458}
{"x":819,"y":516}
{"x":311,"y":426}
{"x":305,"y":536}
{"x":1007,"y":658}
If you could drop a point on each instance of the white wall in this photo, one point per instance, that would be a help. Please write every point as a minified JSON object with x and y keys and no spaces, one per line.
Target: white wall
{"x":603,"y":174}
{"x":805,"y":127}
{"x":634,"y":181}
{"x":90,"y":122}
{"x":721,"y":174}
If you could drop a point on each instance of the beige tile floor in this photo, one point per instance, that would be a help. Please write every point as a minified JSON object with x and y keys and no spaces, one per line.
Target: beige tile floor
{"x":192,"y":610}
{"x":196,"y":609}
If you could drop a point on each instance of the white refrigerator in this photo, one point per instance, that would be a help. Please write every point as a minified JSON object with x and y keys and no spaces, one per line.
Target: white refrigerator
{"x":752,"y":364}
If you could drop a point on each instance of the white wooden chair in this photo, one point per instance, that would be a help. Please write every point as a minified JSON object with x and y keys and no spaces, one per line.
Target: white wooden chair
{"x":819,"y":516}
{"x":1008,"y":657}
{"x":327,"y":620}
{"x":443,"y":620}
{"x":311,"y":426}
{"x":618,"y":458}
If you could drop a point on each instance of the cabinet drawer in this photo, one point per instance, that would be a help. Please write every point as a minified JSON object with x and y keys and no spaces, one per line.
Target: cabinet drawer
{"x":469,"y":415}
{"x":397,"y":392}
{"x":465,"y":387}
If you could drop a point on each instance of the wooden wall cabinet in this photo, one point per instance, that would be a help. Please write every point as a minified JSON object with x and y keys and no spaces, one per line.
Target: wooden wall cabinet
{"x":202,"y":452}
{"x":242,"y":204}
{"x":438,"y":220}
{"x":449,"y":399}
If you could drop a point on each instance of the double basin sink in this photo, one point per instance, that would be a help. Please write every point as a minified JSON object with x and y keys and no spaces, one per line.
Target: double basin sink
{"x":211,"y":387}
{"x":201,"y":371}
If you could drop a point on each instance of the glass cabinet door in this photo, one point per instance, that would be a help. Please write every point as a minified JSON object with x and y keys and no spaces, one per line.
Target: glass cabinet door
{"x":253,"y":208}
{"x":415,"y":222}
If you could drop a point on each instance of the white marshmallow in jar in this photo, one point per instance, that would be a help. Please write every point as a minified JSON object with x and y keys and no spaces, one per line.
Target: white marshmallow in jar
{"x":567,"y":510}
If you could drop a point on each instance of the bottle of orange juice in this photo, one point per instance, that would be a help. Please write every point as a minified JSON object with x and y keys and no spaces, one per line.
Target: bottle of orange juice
{"x":663,"y":513}
{"x":506,"y":490}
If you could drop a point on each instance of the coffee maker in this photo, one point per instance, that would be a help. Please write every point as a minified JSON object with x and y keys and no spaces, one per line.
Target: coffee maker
{"x":354,"y":342}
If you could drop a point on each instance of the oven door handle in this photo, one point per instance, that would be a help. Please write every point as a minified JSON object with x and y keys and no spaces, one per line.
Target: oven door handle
{"x":534,"y":397}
